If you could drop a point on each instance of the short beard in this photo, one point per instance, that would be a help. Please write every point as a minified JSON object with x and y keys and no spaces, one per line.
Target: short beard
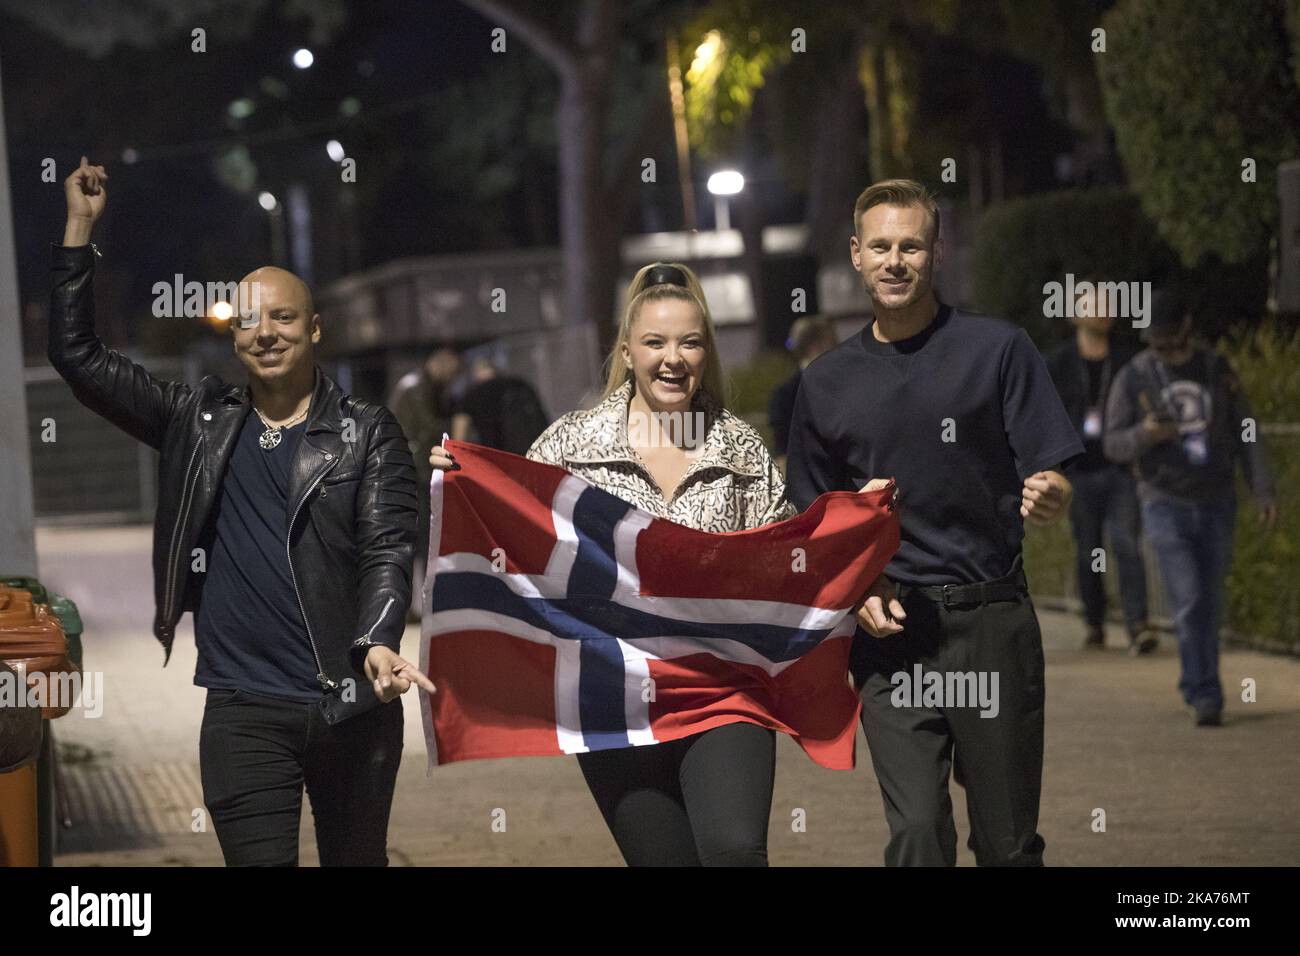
{"x":916,"y":294}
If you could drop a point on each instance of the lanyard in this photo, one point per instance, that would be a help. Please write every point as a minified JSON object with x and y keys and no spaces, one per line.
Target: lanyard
{"x":1086,"y":374}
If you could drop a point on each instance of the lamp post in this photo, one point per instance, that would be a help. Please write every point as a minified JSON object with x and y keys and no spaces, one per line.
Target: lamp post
{"x":272,"y":206}
{"x":347,"y":211}
{"x":724,"y":183}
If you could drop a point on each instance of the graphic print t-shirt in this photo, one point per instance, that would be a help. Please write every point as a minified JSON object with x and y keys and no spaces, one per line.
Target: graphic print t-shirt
{"x":1198,"y":465}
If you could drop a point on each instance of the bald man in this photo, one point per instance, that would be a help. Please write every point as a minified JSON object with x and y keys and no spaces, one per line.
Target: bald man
{"x":286,"y":524}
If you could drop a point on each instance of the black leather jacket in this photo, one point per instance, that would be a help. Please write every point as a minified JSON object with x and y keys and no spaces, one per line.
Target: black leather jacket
{"x":351,"y":537}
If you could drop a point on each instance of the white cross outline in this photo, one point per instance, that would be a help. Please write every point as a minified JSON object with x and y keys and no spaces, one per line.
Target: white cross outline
{"x":637,"y":652}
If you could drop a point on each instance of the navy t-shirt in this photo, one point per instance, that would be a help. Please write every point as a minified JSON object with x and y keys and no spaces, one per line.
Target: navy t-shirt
{"x":959,"y":414}
{"x":248,"y":626}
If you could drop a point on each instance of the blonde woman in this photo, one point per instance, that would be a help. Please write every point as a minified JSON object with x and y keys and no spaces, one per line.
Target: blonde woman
{"x":662,"y":440}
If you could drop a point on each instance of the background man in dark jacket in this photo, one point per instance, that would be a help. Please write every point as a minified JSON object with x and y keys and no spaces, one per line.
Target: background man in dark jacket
{"x":286,"y":522}
{"x":1178,"y":411}
{"x":809,"y":337}
{"x":500,"y":411}
{"x":423,"y":404}
{"x":1105,"y":497}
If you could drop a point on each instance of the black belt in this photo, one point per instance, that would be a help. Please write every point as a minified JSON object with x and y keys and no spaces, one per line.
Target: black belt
{"x":1008,"y":588}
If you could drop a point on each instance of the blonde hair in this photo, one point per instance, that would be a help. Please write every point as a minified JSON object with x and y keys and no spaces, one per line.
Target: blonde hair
{"x":896,"y":192}
{"x":638,"y":294}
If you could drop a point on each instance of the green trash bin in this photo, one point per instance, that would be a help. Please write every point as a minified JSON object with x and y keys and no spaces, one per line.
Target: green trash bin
{"x":70,"y":618}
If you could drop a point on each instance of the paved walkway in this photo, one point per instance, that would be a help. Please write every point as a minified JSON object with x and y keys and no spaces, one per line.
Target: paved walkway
{"x":1118,"y":739}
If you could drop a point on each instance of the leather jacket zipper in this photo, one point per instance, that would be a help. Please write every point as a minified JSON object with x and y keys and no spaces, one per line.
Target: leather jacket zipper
{"x":322,"y":678}
{"x":379,"y":620}
{"x":182,"y":515}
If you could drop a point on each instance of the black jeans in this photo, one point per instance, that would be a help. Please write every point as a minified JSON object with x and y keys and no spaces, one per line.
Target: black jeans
{"x":1106,"y":500}
{"x":703,"y":800}
{"x":255,"y":756}
{"x":997,"y":759}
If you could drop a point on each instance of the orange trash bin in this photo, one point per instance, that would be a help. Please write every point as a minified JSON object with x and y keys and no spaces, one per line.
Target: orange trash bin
{"x":32,"y":646}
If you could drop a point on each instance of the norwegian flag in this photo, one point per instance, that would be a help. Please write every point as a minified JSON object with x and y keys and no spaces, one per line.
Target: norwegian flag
{"x":559,"y":619}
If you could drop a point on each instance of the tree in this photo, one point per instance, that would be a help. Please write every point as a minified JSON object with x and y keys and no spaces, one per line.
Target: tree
{"x":942,"y":67}
{"x":1194,"y":92}
{"x":596,"y":184}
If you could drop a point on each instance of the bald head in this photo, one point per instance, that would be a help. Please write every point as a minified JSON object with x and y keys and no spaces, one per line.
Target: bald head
{"x":277,"y":331}
{"x":281,"y":287}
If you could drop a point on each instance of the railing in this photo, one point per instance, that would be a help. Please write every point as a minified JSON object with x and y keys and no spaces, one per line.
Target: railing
{"x":86,"y":470}
{"x":1050,"y":563}
{"x":83,"y":468}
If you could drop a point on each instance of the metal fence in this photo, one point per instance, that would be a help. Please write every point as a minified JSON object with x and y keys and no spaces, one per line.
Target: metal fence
{"x":84,"y":468}
{"x":1057,"y":586}
{"x":1063,"y":591}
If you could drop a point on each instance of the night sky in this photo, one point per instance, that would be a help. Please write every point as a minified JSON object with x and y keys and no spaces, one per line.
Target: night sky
{"x":170,"y":211}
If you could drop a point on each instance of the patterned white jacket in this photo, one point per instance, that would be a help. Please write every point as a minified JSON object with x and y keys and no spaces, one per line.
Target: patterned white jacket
{"x":732,"y":483}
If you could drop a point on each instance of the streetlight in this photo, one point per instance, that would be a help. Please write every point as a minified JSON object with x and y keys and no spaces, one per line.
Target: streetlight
{"x":272,"y":206}
{"x":303,"y":58}
{"x":706,"y":54}
{"x":347,"y":210}
{"x":220,"y":313}
{"x":724,"y":183}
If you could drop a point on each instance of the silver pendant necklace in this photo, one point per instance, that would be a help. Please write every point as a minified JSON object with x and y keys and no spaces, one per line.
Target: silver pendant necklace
{"x":270,"y":438}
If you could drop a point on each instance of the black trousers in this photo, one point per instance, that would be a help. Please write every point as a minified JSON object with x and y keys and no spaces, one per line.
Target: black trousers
{"x":256,"y":754}
{"x":1106,"y":500}
{"x":998,"y":759}
{"x":703,"y":800}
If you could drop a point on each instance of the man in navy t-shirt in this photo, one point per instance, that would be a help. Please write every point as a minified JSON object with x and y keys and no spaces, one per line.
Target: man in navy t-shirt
{"x":961,"y":411}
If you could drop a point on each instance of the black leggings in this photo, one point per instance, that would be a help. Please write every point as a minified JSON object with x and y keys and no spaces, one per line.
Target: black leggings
{"x":699,"y":801}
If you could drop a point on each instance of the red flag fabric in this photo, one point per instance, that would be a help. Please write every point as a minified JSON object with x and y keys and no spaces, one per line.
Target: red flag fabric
{"x":559,"y":618}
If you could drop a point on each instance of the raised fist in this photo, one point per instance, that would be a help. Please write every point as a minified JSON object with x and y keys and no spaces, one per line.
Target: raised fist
{"x":85,"y":192}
